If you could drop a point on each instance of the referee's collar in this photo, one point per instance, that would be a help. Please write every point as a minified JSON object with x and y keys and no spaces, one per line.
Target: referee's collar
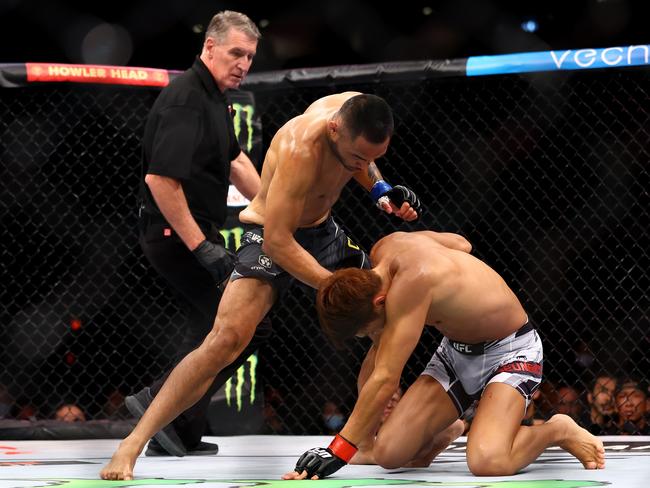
{"x":206,"y":78}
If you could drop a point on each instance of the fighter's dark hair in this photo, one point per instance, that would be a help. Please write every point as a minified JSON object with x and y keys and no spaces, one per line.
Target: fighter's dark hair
{"x":368,"y":116}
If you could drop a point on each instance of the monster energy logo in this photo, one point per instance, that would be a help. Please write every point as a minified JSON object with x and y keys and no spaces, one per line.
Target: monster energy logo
{"x":236,"y":233}
{"x":247,"y":111}
{"x":326,"y":483}
{"x":240,"y":380}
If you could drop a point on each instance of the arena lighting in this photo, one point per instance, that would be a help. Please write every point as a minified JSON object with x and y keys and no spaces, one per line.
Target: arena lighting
{"x":530,"y":25}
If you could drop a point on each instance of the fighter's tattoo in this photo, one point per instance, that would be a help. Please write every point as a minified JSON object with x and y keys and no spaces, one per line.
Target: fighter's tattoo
{"x":373,"y":173}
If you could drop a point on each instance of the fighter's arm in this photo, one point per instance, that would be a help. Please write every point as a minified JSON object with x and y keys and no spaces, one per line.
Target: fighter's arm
{"x":170,"y":198}
{"x":364,"y":455}
{"x":368,"y":178}
{"x":244,"y":176}
{"x":288,"y":191}
{"x":407,"y":304}
{"x":367,"y":367}
{"x":406,"y":309}
{"x":399,"y":200}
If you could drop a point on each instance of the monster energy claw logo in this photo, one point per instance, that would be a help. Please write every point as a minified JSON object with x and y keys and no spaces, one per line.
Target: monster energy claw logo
{"x":236,"y":233}
{"x":240,"y":380}
{"x":326,"y":483}
{"x":248,"y":111}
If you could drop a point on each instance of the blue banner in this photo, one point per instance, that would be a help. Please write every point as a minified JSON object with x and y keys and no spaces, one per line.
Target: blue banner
{"x":570,"y":59}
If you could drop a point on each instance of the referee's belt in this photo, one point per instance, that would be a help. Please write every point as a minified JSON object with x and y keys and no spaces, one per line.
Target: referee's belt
{"x":480,"y":347}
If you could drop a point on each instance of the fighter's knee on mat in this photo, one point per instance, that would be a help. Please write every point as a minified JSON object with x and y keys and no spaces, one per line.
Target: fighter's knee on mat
{"x":484,"y":460}
{"x":387,"y":455}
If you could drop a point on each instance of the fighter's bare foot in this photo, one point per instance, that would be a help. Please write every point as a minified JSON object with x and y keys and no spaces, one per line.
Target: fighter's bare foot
{"x":583,"y":445}
{"x":120,"y":467}
{"x":440,"y":443}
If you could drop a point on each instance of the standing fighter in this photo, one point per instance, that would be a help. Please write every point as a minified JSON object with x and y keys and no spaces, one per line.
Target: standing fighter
{"x":490,"y":352}
{"x":309,"y":161}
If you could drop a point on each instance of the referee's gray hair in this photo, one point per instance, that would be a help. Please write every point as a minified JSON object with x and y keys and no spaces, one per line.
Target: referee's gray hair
{"x":223,"y":21}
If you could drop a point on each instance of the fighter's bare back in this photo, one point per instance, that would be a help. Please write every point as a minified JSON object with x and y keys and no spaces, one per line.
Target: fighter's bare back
{"x":470,"y":302}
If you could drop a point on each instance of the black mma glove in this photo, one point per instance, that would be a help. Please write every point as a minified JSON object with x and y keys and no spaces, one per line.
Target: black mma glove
{"x":218,"y":260}
{"x":397,"y":195}
{"x":323,"y":462}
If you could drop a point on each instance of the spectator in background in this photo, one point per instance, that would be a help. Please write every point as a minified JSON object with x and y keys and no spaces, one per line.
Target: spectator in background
{"x":568,"y":402}
{"x":600,"y":418}
{"x":584,"y":359}
{"x":333,"y":418}
{"x":6,"y":401}
{"x":25,"y":410}
{"x":69,"y":413}
{"x":273,"y":401}
{"x":114,"y":408}
{"x":631,"y":407}
{"x":546,"y":400}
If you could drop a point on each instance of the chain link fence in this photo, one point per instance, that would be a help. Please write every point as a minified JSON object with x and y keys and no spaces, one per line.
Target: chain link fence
{"x":546,"y":174}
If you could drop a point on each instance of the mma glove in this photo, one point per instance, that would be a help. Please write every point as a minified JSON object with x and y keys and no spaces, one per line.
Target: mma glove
{"x":382,"y":191}
{"x":218,"y":260}
{"x":323,"y":462}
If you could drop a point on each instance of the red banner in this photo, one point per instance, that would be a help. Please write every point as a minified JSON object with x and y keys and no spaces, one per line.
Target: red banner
{"x":88,"y":73}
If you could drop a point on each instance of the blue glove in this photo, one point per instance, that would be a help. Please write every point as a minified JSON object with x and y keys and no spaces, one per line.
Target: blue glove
{"x":382,"y":192}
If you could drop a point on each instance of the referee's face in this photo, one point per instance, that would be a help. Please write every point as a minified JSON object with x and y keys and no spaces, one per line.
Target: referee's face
{"x":229,"y":60}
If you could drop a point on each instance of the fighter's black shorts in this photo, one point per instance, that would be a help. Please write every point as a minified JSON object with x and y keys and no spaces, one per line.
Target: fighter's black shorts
{"x":326,"y":242}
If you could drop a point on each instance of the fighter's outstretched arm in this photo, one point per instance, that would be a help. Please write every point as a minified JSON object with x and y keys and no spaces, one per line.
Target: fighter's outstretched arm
{"x":407,"y":304}
{"x":285,"y":201}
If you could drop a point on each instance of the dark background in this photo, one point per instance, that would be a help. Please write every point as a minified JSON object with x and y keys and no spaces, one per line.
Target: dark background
{"x":307,"y":33}
{"x":546,"y":174}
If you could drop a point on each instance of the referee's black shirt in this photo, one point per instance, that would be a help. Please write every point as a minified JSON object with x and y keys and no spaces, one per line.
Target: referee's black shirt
{"x":189,"y":136}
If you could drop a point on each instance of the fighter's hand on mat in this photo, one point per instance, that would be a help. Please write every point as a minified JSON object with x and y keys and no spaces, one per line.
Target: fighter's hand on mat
{"x":319,"y":462}
{"x":218,"y":260}
{"x":399,"y":200}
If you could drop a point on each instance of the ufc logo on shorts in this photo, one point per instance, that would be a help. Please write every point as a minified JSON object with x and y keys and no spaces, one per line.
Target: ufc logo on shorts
{"x":464,"y":348}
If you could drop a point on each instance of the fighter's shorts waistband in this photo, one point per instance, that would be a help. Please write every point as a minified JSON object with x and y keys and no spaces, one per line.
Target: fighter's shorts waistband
{"x":479,"y":348}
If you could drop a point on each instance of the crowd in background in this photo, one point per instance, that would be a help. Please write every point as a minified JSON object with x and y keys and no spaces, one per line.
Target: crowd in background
{"x":609,"y":406}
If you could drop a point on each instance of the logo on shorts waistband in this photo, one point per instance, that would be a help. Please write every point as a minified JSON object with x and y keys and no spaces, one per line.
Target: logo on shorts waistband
{"x":471,"y":349}
{"x":265,"y":261}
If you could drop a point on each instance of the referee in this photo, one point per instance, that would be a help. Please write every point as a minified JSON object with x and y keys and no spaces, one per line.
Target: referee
{"x":190,"y":156}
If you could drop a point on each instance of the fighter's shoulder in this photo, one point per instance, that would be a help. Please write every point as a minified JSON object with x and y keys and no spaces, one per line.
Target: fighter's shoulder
{"x":416,"y":257}
{"x":331,"y":102}
{"x":299,"y":134}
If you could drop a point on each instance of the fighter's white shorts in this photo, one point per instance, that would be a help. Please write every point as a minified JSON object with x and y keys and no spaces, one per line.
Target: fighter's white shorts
{"x":464,"y":370}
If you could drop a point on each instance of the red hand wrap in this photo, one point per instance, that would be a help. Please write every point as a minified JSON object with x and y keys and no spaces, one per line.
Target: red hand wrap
{"x":343,"y":448}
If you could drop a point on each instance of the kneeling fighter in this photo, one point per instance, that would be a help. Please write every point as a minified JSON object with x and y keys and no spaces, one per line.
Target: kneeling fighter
{"x":490,"y":352}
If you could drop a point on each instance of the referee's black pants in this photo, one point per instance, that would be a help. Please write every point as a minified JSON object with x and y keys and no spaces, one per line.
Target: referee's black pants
{"x":171,"y":259}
